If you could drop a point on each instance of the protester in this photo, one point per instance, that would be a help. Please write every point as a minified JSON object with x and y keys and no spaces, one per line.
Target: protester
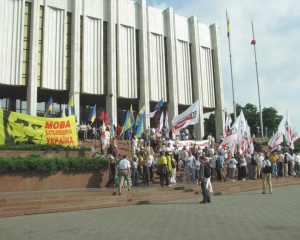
{"x":162,"y":169}
{"x":124,"y":171}
{"x":202,"y":180}
{"x":266,"y":173}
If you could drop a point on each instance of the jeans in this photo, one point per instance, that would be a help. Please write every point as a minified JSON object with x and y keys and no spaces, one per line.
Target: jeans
{"x":206,"y":197}
{"x":188,"y":171}
{"x":135,"y":176}
{"x":111,"y":179}
{"x":274,"y":170}
{"x":250,"y":170}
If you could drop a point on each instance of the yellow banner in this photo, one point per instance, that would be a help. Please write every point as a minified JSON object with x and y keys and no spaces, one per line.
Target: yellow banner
{"x":23,"y":128}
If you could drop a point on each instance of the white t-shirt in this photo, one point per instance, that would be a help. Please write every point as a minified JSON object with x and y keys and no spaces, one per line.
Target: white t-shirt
{"x":213,"y":161}
{"x":191,"y":161}
{"x":124,"y":164}
{"x":280,"y":158}
{"x":232,"y":163}
{"x":151,"y":159}
{"x":134,"y":164}
{"x":134,"y":142}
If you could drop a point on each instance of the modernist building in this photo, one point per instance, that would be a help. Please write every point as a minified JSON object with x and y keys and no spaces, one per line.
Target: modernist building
{"x":111,"y":53}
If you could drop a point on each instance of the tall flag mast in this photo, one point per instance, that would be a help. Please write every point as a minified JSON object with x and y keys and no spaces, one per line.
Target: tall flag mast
{"x":260,"y":112}
{"x":228,"y":35}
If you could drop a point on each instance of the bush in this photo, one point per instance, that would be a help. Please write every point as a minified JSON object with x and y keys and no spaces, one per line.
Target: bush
{"x":47,"y":148}
{"x":36,"y":163}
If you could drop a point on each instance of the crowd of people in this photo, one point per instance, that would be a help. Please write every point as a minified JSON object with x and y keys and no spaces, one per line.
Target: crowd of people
{"x":165,"y":159}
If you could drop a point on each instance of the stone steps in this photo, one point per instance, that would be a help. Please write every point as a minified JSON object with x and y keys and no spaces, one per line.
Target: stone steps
{"x":105,"y":198}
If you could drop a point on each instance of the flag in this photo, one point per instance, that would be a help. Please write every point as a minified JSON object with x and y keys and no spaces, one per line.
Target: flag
{"x":228,"y":122}
{"x":140,"y":127}
{"x":63,"y":111}
{"x":137,"y":120}
{"x":49,"y":107}
{"x":161,"y":122}
{"x":253,"y":42}
{"x":188,"y":117}
{"x":167,"y":125}
{"x":295,"y":135}
{"x":159,"y":104}
{"x":101,"y":116}
{"x":106,"y":118}
{"x":142,"y":110}
{"x":285,"y":127}
{"x":92,"y":115}
{"x":276,"y":139}
{"x":103,"y":137}
{"x":132,"y":117}
{"x":150,"y":115}
{"x":127,"y":123}
{"x":228,"y":25}
{"x":71,"y":101}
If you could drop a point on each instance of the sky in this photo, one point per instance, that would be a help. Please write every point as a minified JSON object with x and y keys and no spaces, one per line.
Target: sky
{"x":277,"y":33}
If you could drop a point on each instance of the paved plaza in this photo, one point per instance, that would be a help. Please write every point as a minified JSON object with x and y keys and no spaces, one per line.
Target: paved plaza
{"x":248,"y":215}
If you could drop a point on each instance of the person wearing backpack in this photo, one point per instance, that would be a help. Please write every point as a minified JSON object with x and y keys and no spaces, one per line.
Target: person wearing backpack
{"x":203,"y":179}
{"x":266,"y":173}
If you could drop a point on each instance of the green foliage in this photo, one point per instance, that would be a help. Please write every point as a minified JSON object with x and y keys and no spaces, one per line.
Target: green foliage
{"x":270,"y":118}
{"x":36,"y":163}
{"x":47,"y":148}
{"x":210,"y":124}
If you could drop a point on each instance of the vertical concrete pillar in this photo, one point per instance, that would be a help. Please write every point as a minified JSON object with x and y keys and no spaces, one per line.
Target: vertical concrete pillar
{"x":111,"y":101}
{"x":75,"y":56}
{"x":172,"y":65}
{"x":143,"y":46}
{"x":219,"y":111}
{"x":196,"y":67}
{"x":33,"y":58}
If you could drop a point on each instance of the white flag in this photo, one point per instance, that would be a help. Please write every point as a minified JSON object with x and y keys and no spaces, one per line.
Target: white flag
{"x":167,"y":125}
{"x":188,"y":117}
{"x":63,"y":111}
{"x":295,"y":136}
{"x":161,"y":122}
{"x":276,"y":139}
{"x":285,"y":127}
{"x":150,"y":115}
{"x":227,"y":123}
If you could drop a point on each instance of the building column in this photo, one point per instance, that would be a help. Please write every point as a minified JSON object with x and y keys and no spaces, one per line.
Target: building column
{"x":196,"y":67}
{"x":219,"y":111}
{"x":33,"y":58}
{"x":172,"y":65}
{"x":111,"y":100}
{"x":143,"y":40}
{"x":75,"y":56}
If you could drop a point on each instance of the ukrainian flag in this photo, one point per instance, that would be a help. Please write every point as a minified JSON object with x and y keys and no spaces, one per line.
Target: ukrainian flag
{"x":92,"y":116}
{"x":49,"y":107}
{"x":127,"y":123}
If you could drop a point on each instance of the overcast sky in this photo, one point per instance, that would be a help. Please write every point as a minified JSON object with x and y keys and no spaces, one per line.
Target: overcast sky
{"x":277,"y":33}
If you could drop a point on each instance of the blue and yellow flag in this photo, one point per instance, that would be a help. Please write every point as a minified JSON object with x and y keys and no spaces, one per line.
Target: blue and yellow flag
{"x":140,"y":127}
{"x":127,"y":123}
{"x":49,"y":108}
{"x":92,"y":116}
{"x":228,"y":25}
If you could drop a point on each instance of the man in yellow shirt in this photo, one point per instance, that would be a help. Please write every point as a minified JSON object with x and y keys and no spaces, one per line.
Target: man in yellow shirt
{"x":274,"y":160}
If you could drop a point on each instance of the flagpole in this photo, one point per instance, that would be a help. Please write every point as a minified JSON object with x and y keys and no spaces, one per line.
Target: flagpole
{"x":260,"y":112}
{"x":228,"y":35}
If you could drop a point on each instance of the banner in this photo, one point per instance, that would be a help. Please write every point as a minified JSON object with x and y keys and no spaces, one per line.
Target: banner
{"x":23,"y":128}
{"x":188,"y":117}
{"x":189,"y":143}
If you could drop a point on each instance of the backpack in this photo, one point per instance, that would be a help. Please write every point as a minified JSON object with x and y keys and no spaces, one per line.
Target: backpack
{"x":206,"y":170}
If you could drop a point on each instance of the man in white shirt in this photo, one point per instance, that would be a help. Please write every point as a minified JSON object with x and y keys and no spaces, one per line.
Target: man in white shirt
{"x":190,"y":163}
{"x":124,"y":170}
{"x":134,"y":144}
{"x":151,"y":160}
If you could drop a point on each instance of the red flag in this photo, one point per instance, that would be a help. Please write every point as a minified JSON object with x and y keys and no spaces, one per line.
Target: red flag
{"x":253,"y":42}
{"x":102,"y":115}
{"x":106,"y":119}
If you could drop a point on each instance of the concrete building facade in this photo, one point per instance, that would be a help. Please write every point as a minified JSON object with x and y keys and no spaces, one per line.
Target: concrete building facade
{"x":112,"y":53}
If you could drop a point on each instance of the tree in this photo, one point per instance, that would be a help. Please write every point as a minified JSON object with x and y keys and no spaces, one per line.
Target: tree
{"x":210,"y":124}
{"x":271,"y":119}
